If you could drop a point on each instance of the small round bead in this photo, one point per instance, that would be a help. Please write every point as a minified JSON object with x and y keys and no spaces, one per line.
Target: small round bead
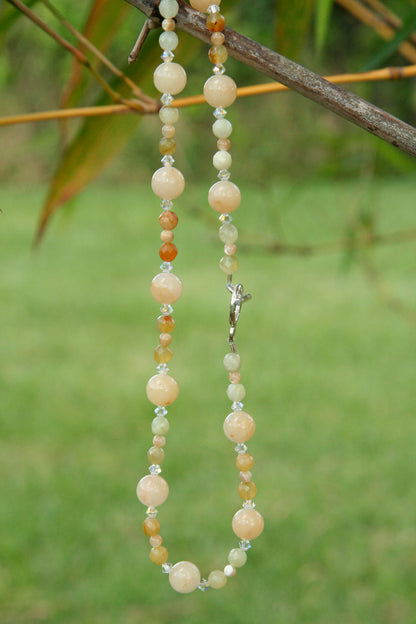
{"x":166,"y":288}
{"x":159,"y":555}
{"x":151,"y":526}
{"x":168,"y":115}
{"x":162,"y":390}
{"x":230,"y":249}
{"x":159,"y":440}
{"x":152,"y":490}
{"x":218,"y":54}
{"x":168,"y":24}
{"x":215,"y":22}
{"x":236,"y":392}
{"x":220,"y":91}
{"x":244,"y":461}
{"x":222,"y":128}
{"x":247,"y":490}
{"x":237,"y":557}
{"x":170,"y":78}
{"x":165,"y":339}
{"x":234,"y":377}
{"x":239,"y":427}
{"x":184,"y":577}
{"x":248,"y":524}
{"x":166,"y":236}
{"x":228,"y":233}
{"x":162,"y":355}
{"x":229,"y":264}
{"x":232,"y":362}
{"x":245,"y":476}
{"x":155,"y":541}
{"x":168,"y":252}
{"x":202,"y":5}
{"x":160,"y":426}
{"x":168,"y":220}
{"x":222,"y":160}
{"x":168,"y":183}
{"x":229,"y":571}
{"x":168,"y":8}
{"x":168,"y":41}
{"x":224,"y":144}
{"x":165,"y":323}
{"x":168,"y":130}
{"x":217,"y":579}
{"x":224,"y":197}
{"x":167,"y":146}
{"x":155,"y":455}
{"x":217,"y":38}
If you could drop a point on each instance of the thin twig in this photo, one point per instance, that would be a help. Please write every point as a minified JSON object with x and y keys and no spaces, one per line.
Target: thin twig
{"x":307,"y":83}
{"x":147,"y":27}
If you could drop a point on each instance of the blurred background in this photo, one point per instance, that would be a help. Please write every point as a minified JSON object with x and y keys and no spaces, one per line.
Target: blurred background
{"x":327,"y":230}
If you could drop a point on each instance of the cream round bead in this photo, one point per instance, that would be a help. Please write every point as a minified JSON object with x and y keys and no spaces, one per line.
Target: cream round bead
{"x":166,"y":288}
{"x":217,"y":38}
{"x":166,"y":236}
{"x":169,"y":78}
{"x":220,"y":91}
{"x":224,"y":197}
{"x":168,"y":131}
{"x":169,"y":40}
{"x":168,"y":8}
{"x":184,"y":577}
{"x":232,"y":362}
{"x":217,"y":579}
{"x":237,"y":557}
{"x":228,"y":233}
{"x":222,"y":129}
{"x":152,"y":490}
{"x":162,"y":390}
{"x":168,"y":115}
{"x":168,"y":182}
{"x":160,"y":426}
{"x":239,"y":427}
{"x":248,"y":524}
{"x":222,"y":160}
{"x":236,"y":392}
{"x":202,"y":5}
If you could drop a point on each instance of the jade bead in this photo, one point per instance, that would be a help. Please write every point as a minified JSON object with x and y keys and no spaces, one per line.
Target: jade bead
{"x":217,"y":579}
{"x":237,"y":557}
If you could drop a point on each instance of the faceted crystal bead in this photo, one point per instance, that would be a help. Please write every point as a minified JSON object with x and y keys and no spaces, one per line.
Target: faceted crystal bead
{"x":219,"y":69}
{"x":155,"y":469}
{"x":249,"y":504}
{"x":162,"y":368}
{"x":151,"y":512}
{"x":237,"y":406}
{"x":244,"y":545}
{"x":166,"y":568}
{"x":166,"y":267}
{"x":225,"y":218}
{"x":167,"y":160}
{"x":240,"y":448}
{"x":219,"y":113}
{"x":203,"y":586}
{"x":167,"y":56}
{"x":224,"y":174}
{"x":166,"y":99}
{"x":213,"y":9}
{"x":166,"y":204}
{"x":166,"y":309}
{"x":161,"y":411}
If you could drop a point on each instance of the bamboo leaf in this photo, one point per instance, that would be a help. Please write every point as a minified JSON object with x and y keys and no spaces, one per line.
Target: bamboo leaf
{"x":292,"y":23}
{"x":323,"y":9}
{"x":388,"y":49}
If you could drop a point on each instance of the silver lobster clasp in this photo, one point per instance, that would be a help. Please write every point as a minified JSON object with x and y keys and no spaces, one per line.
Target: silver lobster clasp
{"x":237,"y":299}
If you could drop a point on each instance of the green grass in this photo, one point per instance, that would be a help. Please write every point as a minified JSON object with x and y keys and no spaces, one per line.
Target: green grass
{"x":330,"y":378}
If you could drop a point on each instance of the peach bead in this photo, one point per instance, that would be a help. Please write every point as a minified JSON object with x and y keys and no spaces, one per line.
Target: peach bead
{"x":166,"y":288}
{"x":230,"y":249}
{"x":159,"y":440}
{"x":159,"y":555}
{"x":202,"y":5}
{"x":162,"y":390}
{"x":217,"y":38}
{"x":165,"y":339}
{"x":168,"y":24}
{"x":151,"y":527}
{"x":220,"y":90}
{"x":166,"y":236}
{"x":184,"y":577}
{"x":239,"y":427}
{"x":169,"y":78}
{"x":152,"y":490}
{"x":168,"y":131}
{"x":224,"y":197}
{"x":168,"y":183}
{"x":155,"y":541}
{"x":248,"y":524}
{"x":235,"y":377}
{"x":245,"y":477}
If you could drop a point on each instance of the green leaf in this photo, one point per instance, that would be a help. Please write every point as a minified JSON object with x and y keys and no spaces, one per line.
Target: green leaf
{"x":388,"y":49}
{"x":323,"y":9}
{"x":292,"y":23}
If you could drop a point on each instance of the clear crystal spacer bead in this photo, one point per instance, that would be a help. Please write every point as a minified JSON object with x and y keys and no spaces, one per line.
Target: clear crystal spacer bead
{"x":244,"y":545}
{"x":166,"y":308}
{"x":203,"y":586}
{"x":166,"y":568}
{"x":151,"y":512}
{"x":224,"y":174}
{"x":166,"y":267}
{"x":249,"y":504}
{"x":219,"y":113}
{"x":237,"y":406}
{"x":241,"y":448}
{"x":225,"y":218}
{"x":219,"y":69}
{"x":155,"y":469}
{"x":167,"y":204}
{"x":168,"y":160}
{"x":166,"y":99}
{"x":167,"y":56}
{"x":161,"y":411}
{"x":162,"y":368}
{"x":213,"y":9}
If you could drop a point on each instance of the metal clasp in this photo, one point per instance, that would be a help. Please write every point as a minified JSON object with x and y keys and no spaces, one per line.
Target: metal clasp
{"x":237,"y":299}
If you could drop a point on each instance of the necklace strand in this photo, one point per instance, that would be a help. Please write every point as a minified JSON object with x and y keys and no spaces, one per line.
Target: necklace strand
{"x":162,"y":389}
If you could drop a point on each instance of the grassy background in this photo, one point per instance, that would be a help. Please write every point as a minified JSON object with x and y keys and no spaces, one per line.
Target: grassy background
{"x":330,"y":378}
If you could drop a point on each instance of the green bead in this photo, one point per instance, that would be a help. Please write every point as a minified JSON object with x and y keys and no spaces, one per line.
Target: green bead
{"x":229,"y":264}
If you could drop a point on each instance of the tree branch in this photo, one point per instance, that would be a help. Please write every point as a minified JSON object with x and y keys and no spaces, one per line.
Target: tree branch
{"x":307,"y":83}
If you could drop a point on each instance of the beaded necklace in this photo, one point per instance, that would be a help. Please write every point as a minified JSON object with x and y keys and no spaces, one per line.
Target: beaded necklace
{"x":166,"y":288}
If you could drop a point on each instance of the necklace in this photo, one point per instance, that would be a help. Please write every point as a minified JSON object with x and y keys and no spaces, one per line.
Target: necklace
{"x":162,"y":389}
